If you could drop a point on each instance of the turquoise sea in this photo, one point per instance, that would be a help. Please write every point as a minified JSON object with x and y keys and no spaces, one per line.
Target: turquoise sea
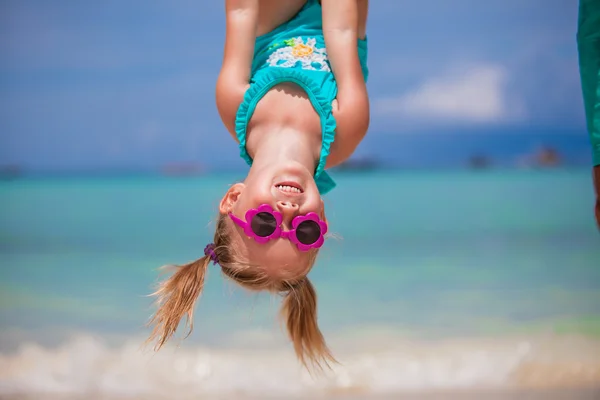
{"x":431,"y":281}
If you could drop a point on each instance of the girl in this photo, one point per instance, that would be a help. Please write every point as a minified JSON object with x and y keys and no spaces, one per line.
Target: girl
{"x":292,"y":80}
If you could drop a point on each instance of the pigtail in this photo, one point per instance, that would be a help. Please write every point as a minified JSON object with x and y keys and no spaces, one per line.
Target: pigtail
{"x":299,"y":310}
{"x":176,"y":297}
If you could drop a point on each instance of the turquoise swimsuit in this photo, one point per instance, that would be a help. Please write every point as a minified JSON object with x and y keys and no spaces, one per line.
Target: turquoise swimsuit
{"x":295,"y":52}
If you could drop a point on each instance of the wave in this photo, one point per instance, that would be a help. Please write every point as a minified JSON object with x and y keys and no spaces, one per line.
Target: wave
{"x":87,"y":366}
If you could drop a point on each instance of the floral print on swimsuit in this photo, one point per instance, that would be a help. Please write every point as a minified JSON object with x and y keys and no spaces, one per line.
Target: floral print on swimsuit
{"x":297,"y":53}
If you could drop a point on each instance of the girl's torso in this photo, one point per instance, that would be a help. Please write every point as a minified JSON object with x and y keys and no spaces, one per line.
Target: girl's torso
{"x":286,"y":104}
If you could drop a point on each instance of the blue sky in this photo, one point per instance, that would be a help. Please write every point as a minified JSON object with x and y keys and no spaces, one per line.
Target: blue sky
{"x":130,"y":84}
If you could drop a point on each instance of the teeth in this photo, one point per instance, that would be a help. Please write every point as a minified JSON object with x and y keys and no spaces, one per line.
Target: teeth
{"x":288,"y":189}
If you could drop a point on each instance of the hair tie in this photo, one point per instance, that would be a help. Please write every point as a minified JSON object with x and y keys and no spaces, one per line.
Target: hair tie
{"x":209,"y":250}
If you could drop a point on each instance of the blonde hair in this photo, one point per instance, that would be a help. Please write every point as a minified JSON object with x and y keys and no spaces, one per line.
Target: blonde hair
{"x":176,"y":298}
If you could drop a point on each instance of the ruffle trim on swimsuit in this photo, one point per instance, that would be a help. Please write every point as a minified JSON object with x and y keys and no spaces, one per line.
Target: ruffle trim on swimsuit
{"x":262,"y":82}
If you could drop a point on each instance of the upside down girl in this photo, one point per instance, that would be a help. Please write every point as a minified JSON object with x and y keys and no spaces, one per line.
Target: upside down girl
{"x":292,"y":92}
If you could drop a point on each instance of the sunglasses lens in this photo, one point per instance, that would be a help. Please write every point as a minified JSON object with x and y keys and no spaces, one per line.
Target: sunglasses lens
{"x":263,"y":224}
{"x":308,"y":232}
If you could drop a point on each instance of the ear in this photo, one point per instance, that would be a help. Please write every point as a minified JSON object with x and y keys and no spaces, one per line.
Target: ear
{"x":322,"y":214}
{"x":230,"y":198}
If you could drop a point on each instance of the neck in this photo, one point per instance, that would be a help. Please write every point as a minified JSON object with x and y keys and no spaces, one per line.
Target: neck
{"x":268,"y":146}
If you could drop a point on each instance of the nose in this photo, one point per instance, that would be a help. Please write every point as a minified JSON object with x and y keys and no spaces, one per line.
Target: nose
{"x":287,"y":209}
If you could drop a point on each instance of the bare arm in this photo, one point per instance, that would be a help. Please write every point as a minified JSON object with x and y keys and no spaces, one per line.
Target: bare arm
{"x":340,"y":29}
{"x":241,"y":23}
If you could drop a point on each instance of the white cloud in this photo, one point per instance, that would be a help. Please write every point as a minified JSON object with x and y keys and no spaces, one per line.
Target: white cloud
{"x":476,"y":94}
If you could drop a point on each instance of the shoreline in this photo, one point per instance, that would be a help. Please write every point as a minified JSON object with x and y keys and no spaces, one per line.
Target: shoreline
{"x":574,"y":393}
{"x":377,"y":366}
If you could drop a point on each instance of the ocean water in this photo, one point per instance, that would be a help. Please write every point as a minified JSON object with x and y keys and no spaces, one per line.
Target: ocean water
{"x":432,"y":281}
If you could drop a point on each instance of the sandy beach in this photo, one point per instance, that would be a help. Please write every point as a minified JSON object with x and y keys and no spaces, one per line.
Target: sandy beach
{"x":508,"y":368}
{"x":584,"y":393}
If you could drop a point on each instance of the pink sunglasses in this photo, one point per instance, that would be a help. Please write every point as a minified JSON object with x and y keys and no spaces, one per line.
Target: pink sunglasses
{"x":264,"y":223}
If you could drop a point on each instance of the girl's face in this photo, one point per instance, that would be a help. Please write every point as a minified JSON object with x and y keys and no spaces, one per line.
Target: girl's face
{"x":292,"y":191}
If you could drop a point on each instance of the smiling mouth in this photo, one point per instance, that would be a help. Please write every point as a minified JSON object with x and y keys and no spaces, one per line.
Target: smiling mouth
{"x":289,"y":188}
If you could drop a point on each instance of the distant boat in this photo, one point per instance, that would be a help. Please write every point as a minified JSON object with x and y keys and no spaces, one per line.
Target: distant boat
{"x":544,"y":157}
{"x":182,"y":170}
{"x":364,"y":164}
{"x":9,"y":172}
{"x":479,"y":162}
{"x":547,"y":157}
